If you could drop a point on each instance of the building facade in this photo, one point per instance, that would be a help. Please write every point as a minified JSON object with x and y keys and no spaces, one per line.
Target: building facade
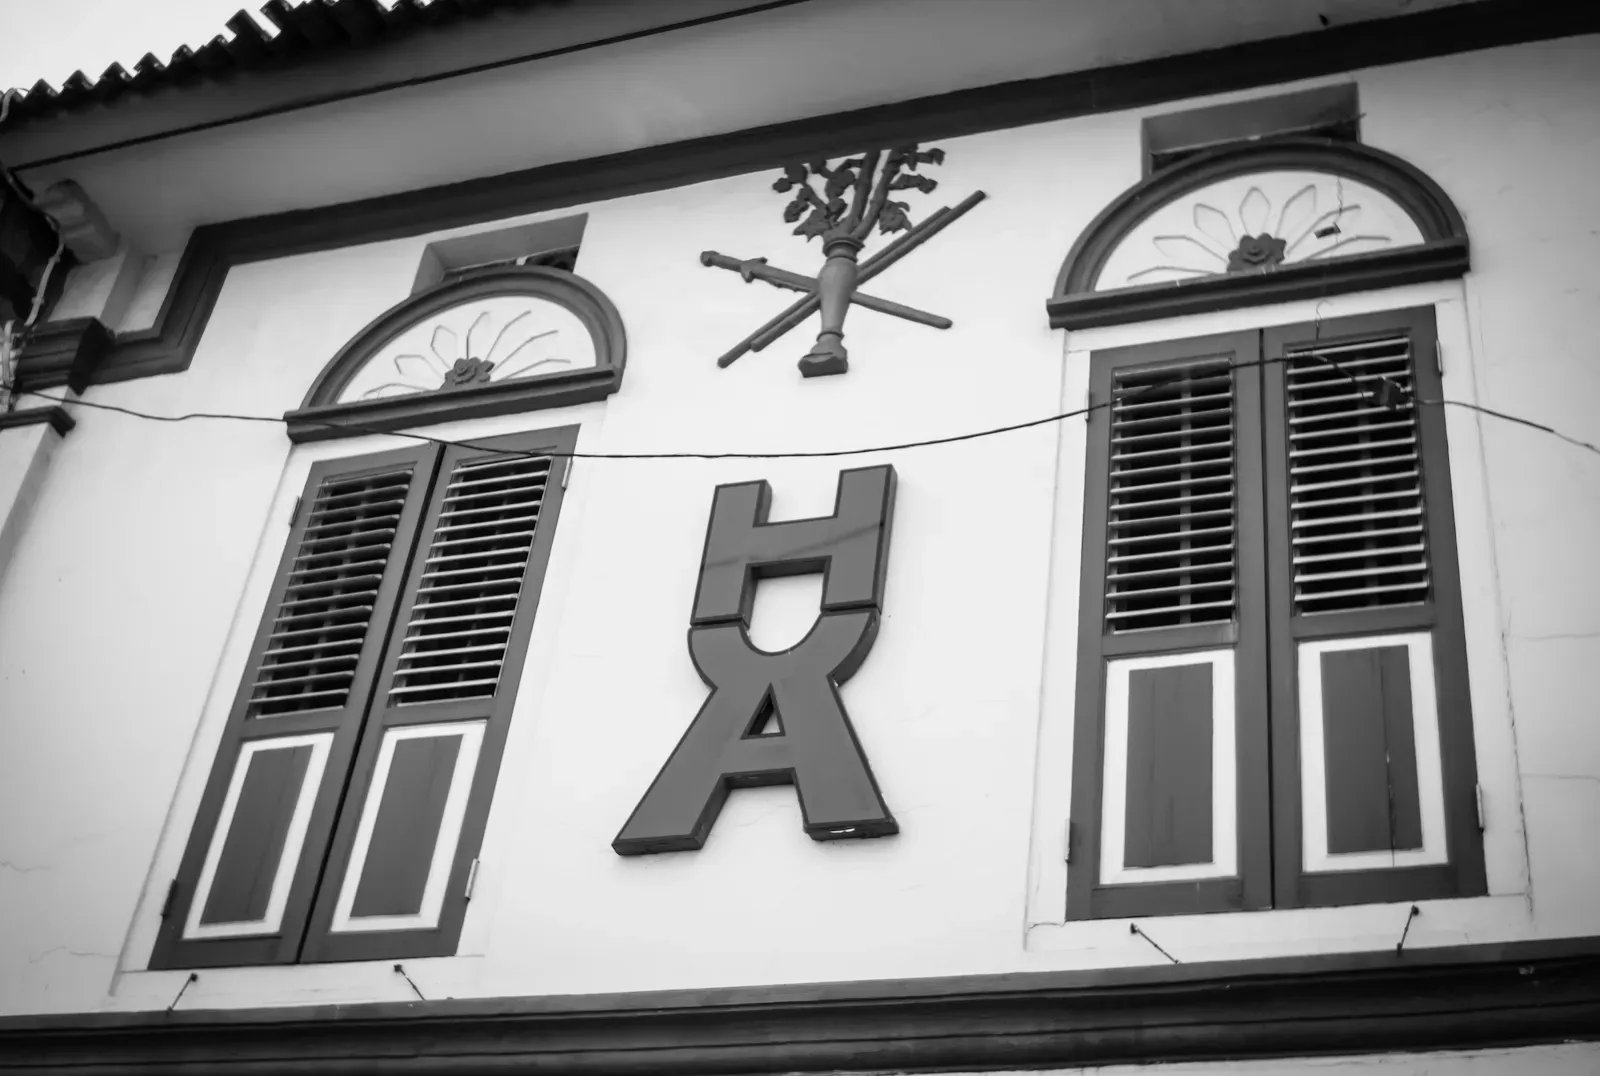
{"x":491,"y":578}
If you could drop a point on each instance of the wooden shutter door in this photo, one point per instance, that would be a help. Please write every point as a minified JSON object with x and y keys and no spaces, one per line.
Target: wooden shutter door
{"x":245,"y":883}
{"x":420,"y":792}
{"x":1169,"y":786}
{"x":1374,"y":786}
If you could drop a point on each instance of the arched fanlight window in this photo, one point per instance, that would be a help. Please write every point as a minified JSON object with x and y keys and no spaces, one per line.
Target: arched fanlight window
{"x":517,"y":338}
{"x":1270,"y":221}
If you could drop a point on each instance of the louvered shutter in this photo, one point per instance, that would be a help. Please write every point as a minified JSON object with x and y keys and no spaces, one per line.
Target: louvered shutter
{"x":1169,"y":777}
{"x":245,"y":884}
{"x":420,"y":791}
{"x":1372,"y":728}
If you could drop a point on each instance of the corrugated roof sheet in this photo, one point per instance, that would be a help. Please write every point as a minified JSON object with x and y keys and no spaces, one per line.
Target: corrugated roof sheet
{"x":308,"y":30}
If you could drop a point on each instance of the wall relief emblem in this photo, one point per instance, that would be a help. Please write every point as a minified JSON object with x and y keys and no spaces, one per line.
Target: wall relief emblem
{"x":854,"y":199}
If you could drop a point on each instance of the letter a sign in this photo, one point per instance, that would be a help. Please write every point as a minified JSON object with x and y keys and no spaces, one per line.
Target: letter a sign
{"x":777,"y":718}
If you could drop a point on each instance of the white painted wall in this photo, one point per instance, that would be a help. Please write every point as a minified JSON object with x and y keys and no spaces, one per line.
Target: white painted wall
{"x":136,"y":588}
{"x":837,"y":55}
{"x":25,"y":453}
{"x":1574,"y":1059}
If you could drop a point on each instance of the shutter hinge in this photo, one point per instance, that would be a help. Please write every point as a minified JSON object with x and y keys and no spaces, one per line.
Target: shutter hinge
{"x":1482,"y":822}
{"x":294,"y":516}
{"x":1438,"y":358}
{"x":1066,"y":849}
{"x":472,"y":879}
{"x":566,"y":474}
{"x":172,"y":898}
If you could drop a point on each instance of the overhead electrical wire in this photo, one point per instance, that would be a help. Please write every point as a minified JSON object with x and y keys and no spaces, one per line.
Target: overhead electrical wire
{"x":1390,"y":395}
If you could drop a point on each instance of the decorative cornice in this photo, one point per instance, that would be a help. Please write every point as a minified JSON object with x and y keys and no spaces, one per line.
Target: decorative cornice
{"x":1461,"y":998}
{"x":324,"y":414}
{"x":66,"y":353}
{"x":214,"y":249}
{"x":57,"y":417}
{"x":1443,"y":253}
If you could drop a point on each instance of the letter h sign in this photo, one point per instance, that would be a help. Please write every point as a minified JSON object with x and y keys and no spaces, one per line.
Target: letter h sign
{"x":810,"y":742}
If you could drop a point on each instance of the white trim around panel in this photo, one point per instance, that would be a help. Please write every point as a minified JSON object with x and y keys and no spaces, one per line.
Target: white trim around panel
{"x":1224,"y":773}
{"x":319,"y":742}
{"x":1313,"y":766}
{"x":444,"y":851}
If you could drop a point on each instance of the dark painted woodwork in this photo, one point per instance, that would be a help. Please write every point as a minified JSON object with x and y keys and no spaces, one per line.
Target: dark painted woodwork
{"x":1463,"y":874}
{"x":254,"y":845}
{"x":68,"y":352}
{"x":1443,"y":253}
{"x":320,"y":416}
{"x":1168,"y":807}
{"x":1321,"y":112}
{"x":1369,"y":751}
{"x":730,"y":744}
{"x":494,"y":711}
{"x":214,"y":249}
{"x":406,"y":829}
{"x":1272,"y":871}
{"x":1252,"y":888}
{"x":1454,"y":998}
{"x":171,"y":949}
{"x":55,"y":417}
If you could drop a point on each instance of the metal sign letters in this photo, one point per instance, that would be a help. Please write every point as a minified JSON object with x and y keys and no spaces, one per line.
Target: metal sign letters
{"x":777,"y":718}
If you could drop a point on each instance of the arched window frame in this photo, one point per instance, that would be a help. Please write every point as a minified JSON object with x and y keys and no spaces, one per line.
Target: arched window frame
{"x":1390,"y":285}
{"x":322,"y":415}
{"x":1443,"y":254}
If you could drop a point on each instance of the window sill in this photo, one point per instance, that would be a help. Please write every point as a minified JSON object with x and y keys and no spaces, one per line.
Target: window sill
{"x":1285,"y":932}
{"x":276,"y":985}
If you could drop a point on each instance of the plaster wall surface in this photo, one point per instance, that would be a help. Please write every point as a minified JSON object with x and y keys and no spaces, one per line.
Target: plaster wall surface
{"x":699,"y":82}
{"x":1574,"y":1059}
{"x":25,"y":453}
{"x":152,"y":547}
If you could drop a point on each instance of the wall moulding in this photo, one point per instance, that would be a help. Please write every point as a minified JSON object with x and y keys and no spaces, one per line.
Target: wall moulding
{"x":63,"y":353}
{"x":1270,"y":221}
{"x":1457,"y":998}
{"x":213,"y":249}
{"x":55,"y":417}
{"x":518,"y":338}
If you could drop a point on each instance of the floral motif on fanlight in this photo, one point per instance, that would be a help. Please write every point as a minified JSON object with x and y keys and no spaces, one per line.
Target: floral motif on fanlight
{"x":1254,"y":224}
{"x":481,"y":342}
